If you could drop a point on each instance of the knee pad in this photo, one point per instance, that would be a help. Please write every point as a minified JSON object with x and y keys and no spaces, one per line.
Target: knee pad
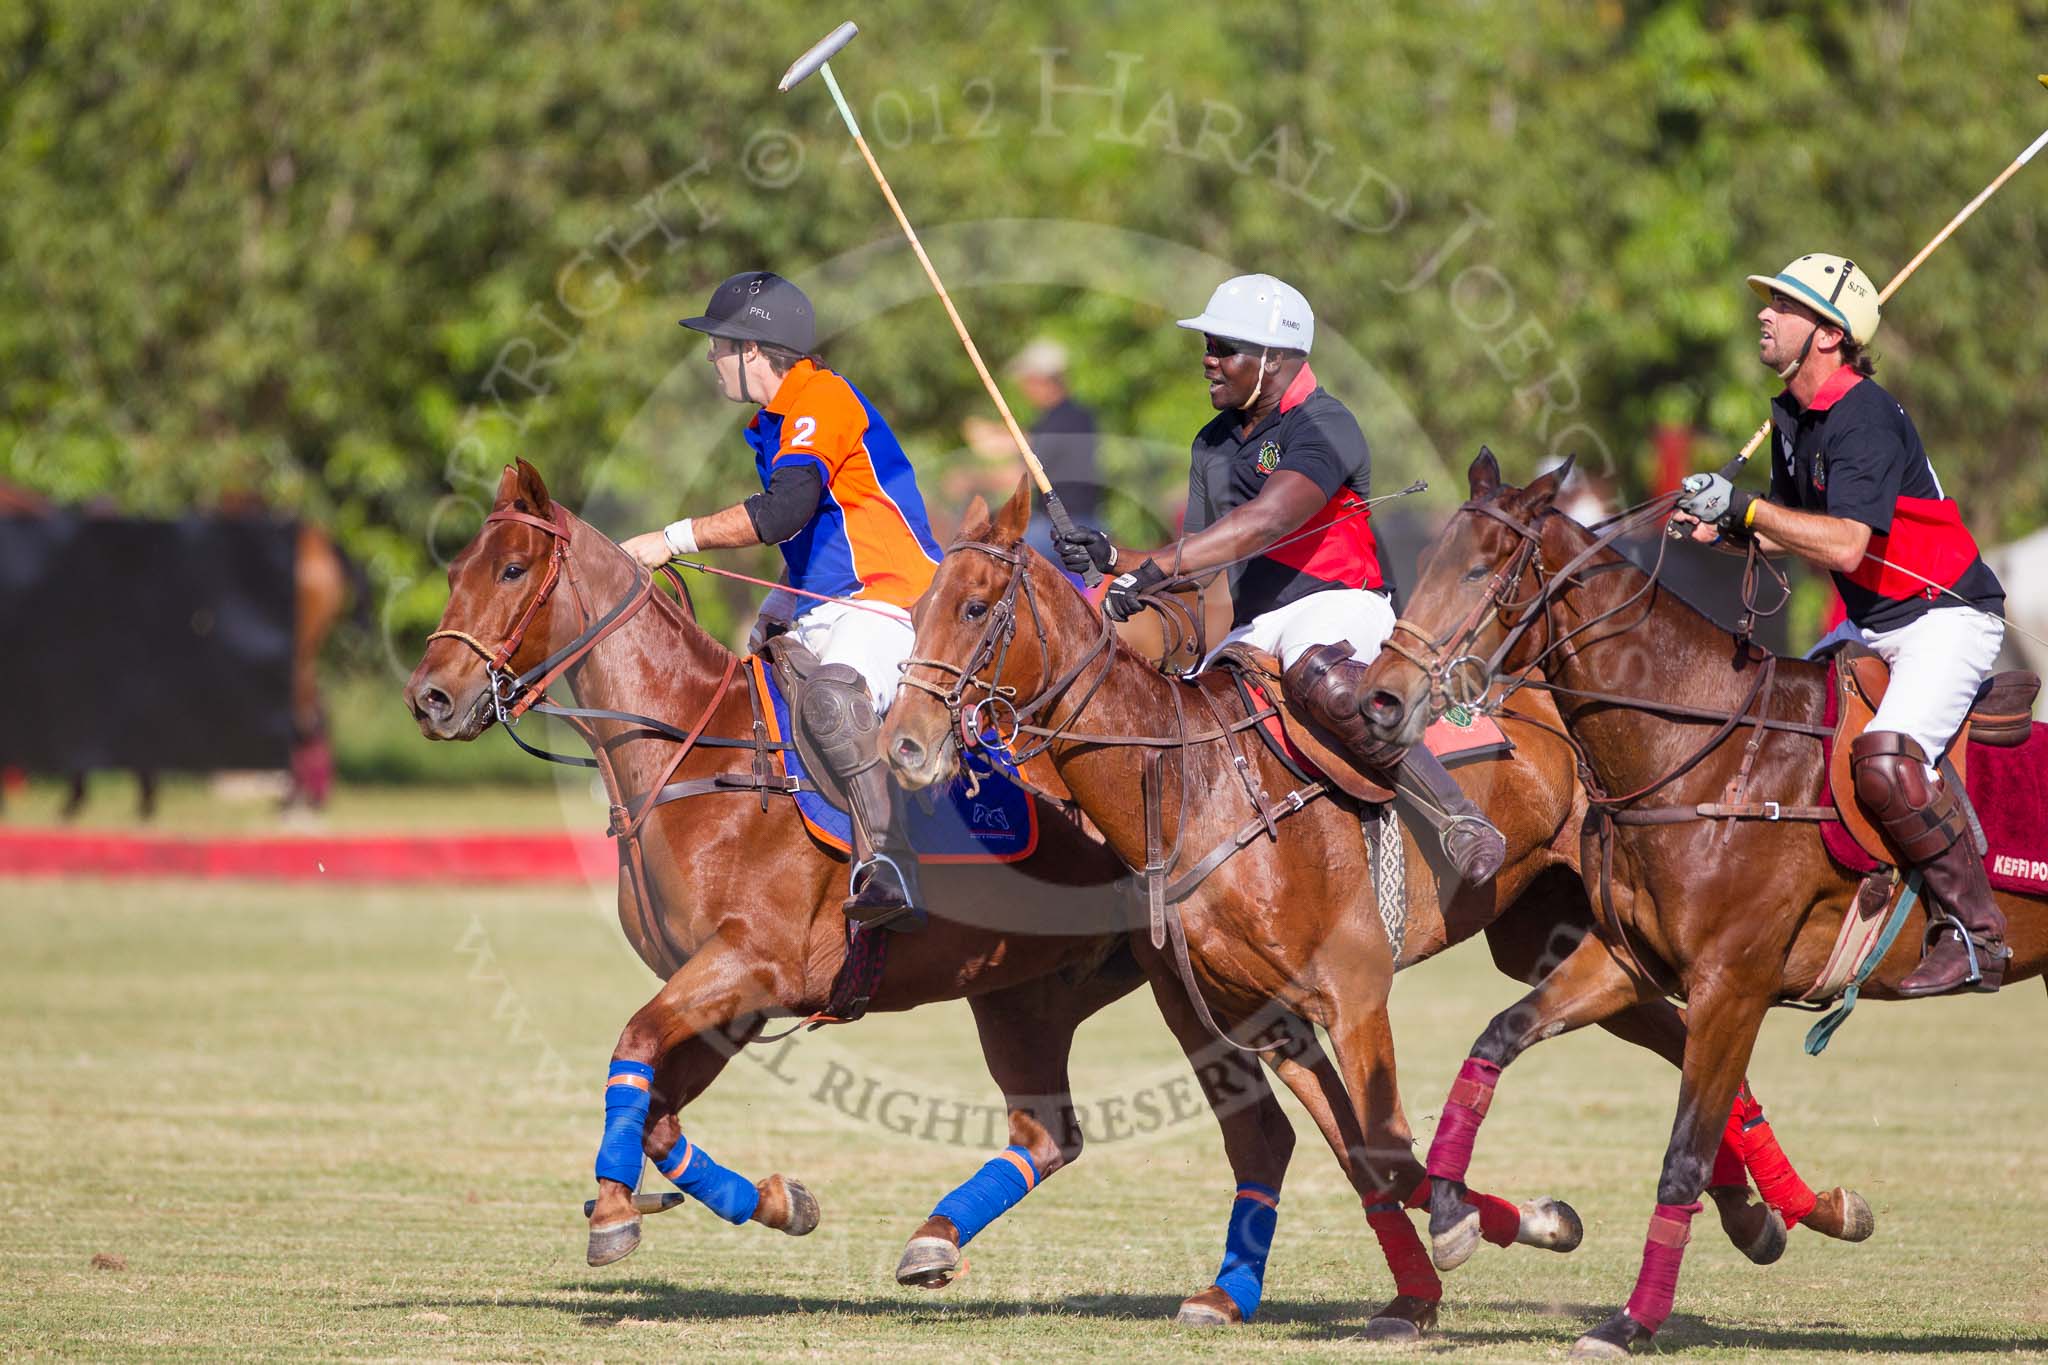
{"x":837,"y":712}
{"x":1916,"y":812}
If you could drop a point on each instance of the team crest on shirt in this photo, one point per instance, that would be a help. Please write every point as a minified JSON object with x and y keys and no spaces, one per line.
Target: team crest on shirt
{"x":1269,"y":457}
{"x":1820,"y":470}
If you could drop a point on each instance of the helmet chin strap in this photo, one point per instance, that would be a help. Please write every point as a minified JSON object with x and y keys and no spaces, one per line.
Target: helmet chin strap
{"x":1840,"y":280}
{"x":1260,"y":387}
{"x":740,"y":350}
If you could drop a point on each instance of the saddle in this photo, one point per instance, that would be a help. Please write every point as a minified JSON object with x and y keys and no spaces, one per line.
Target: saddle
{"x":1299,"y":743}
{"x":2002,"y":715}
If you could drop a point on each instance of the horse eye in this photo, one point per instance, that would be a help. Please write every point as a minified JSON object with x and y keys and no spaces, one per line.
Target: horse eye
{"x":973,"y":609}
{"x":512,"y":571}
{"x":1475,"y":573}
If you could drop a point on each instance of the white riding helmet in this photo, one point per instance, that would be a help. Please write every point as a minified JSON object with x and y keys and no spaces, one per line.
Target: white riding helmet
{"x":1258,"y":310}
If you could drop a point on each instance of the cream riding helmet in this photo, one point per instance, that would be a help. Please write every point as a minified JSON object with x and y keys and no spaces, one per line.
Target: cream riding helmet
{"x":1831,"y":286}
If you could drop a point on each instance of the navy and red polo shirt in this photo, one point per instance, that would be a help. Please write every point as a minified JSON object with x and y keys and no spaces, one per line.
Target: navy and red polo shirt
{"x":1313,"y":434}
{"x":1854,"y":453}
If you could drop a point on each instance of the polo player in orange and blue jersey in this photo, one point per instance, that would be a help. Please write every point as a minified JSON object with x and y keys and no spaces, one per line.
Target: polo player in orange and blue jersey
{"x":840,"y":499}
{"x":1852,"y":491}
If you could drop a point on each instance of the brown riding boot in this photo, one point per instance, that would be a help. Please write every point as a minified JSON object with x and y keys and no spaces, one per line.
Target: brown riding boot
{"x":1325,"y":682}
{"x":1920,"y":814}
{"x":840,"y":718}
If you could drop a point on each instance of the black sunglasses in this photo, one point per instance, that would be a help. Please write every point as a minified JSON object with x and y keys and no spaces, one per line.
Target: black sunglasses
{"x":1222,"y":349}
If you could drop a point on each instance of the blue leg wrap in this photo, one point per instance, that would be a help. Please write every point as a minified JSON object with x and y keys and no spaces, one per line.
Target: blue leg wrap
{"x":990,"y":1192}
{"x":626,"y":1101}
{"x":1252,"y":1220}
{"x":726,"y":1193}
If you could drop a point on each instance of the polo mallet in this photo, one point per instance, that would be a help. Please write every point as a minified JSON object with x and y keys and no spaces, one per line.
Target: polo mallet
{"x":1735,"y":465}
{"x":818,"y":60}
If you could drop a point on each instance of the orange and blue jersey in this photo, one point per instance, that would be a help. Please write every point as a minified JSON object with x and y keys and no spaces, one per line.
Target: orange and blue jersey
{"x":870,"y":538}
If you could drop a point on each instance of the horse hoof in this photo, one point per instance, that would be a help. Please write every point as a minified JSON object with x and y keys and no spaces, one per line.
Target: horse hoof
{"x":1551,"y":1224}
{"x":1406,"y":1318}
{"x":613,"y":1243}
{"x":1453,"y":1240}
{"x":1843,"y":1215}
{"x":1613,"y":1339}
{"x":785,"y":1205}
{"x":929,"y":1263}
{"x":1756,"y":1229}
{"x":1210,"y":1308}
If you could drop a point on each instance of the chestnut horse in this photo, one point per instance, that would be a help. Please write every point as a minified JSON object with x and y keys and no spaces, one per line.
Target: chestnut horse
{"x":1290,"y":915}
{"x":1512,"y":583}
{"x":737,"y":907}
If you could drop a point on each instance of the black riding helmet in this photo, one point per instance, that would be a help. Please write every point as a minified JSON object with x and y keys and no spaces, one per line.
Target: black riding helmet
{"x":759,"y":306}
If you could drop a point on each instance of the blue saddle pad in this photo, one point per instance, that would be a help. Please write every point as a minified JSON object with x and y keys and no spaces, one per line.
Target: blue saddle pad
{"x":981,"y":816}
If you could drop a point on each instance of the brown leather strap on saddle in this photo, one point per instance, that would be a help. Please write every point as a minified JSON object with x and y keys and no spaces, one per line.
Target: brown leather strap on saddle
{"x":1330,"y":757}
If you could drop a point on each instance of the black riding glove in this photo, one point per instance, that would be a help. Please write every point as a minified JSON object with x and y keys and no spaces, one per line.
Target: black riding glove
{"x":1083,"y":548}
{"x":1123,"y":597}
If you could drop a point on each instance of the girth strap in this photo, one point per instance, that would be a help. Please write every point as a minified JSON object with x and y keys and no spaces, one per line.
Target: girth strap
{"x":1155,"y":852}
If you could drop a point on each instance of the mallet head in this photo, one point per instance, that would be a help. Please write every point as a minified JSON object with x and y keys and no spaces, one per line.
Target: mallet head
{"x":826,"y":49}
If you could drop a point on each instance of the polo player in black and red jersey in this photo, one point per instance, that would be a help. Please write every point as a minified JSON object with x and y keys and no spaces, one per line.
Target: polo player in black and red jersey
{"x":1277,"y":490}
{"x":1852,"y":490}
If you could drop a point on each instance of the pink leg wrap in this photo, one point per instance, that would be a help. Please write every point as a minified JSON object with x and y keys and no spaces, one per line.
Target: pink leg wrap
{"x":1663,"y":1253}
{"x":1406,"y":1257}
{"x":1749,"y":1132}
{"x":1450,"y":1152}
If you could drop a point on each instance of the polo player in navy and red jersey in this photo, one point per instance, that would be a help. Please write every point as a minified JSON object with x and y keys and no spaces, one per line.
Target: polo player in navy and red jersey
{"x":1279,"y":481}
{"x":1852,"y":490}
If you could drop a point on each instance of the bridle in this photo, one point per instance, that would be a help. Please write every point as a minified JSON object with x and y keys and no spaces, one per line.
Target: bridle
{"x":996,"y":717}
{"x":512,"y":695}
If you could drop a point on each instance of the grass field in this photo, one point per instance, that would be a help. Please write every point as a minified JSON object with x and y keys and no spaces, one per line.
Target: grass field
{"x":357,"y":1125}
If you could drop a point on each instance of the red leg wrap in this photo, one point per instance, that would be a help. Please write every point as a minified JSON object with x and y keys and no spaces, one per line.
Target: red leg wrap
{"x":1776,"y":1181}
{"x":1406,"y":1257}
{"x":1663,"y":1253}
{"x":1450,"y":1152}
{"x":1499,"y":1220}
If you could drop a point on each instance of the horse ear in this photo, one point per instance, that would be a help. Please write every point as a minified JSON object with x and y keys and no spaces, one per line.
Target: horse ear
{"x":508,"y":487}
{"x":974,"y":526}
{"x":533,"y":490}
{"x":1015,"y":518}
{"x":1484,"y":475}
{"x":1543,"y":491}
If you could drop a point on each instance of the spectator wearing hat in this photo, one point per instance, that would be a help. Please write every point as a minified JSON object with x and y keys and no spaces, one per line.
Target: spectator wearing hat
{"x":1063,"y":438}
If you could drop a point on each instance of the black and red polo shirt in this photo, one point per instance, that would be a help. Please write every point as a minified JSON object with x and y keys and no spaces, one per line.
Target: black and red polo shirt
{"x":1312,"y":434}
{"x":1854,"y":453}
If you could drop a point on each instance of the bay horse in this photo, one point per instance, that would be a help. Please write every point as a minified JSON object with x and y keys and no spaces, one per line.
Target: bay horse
{"x":1733,"y":909}
{"x":728,"y":898}
{"x":1289,"y":913}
